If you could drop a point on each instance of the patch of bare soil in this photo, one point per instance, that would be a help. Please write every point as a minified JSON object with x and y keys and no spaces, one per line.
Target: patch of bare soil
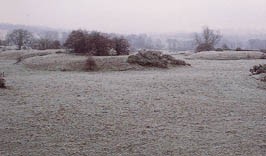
{"x":211,"y":108}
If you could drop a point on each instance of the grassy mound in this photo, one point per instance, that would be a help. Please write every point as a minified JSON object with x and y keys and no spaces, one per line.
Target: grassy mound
{"x":71,"y":62}
{"x":24,"y":54}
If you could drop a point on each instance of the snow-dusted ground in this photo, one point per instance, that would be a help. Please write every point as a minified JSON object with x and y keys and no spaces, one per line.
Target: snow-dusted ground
{"x":227,"y":55}
{"x":211,"y":108}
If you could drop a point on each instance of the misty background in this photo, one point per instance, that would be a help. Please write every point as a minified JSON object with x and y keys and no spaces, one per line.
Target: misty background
{"x":147,"y":24}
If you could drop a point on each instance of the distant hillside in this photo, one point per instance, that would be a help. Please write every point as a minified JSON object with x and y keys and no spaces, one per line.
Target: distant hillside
{"x":34,"y":29}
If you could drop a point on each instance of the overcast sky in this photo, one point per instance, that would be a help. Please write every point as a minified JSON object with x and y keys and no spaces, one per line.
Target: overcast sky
{"x":136,"y":16}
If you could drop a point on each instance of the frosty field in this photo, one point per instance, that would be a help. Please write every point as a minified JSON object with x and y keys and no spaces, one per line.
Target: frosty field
{"x":211,"y":108}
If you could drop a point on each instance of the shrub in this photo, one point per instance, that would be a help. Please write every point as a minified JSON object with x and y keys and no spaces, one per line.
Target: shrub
{"x":239,"y":49}
{"x":98,"y":44}
{"x":2,"y":81}
{"x":207,"y":39}
{"x":204,"y":47}
{"x":90,"y":64}
{"x":219,"y":49}
{"x":225,"y":47}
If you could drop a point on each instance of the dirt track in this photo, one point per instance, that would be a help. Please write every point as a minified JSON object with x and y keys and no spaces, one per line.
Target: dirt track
{"x":211,"y":108}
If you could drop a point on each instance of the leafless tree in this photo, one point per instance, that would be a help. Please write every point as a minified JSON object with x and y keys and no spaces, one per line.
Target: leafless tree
{"x":20,"y":37}
{"x":207,"y":39}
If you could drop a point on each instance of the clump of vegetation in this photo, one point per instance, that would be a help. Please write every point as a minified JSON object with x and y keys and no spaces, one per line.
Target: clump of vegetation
{"x":45,"y":43}
{"x":90,"y":64}
{"x":96,"y":44}
{"x":2,"y":81}
{"x":225,"y":47}
{"x":263,"y":50}
{"x":207,"y":39}
{"x":239,"y":49}
{"x":154,"y":59}
{"x":258,"y":69}
{"x":219,"y":49}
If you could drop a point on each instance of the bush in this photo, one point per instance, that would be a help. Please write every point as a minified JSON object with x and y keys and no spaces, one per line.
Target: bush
{"x":90,"y":64}
{"x":2,"y":81}
{"x":204,"y":47}
{"x":225,"y":47}
{"x":207,"y":39}
{"x":239,"y":49}
{"x":219,"y":49}
{"x":98,"y":44}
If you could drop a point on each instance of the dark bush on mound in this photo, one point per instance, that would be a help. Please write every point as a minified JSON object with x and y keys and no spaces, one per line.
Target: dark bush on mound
{"x":239,"y":49}
{"x":2,"y":81}
{"x":154,"y":59}
{"x":207,"y":39}
{"x":204,"y":47}
{"x":219,"y":49}
{"x":90,"y":64}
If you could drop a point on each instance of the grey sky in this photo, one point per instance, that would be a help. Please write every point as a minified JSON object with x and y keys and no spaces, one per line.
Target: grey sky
{"x":136,"y":16}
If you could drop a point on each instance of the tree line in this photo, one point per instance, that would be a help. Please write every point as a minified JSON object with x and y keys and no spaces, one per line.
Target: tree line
{"x":78,"y":41}
{"x":96,"y":43}
{"x":100,"y":44}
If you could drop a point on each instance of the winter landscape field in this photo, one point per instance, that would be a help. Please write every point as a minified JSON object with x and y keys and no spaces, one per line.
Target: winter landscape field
{"x":213,"y":107}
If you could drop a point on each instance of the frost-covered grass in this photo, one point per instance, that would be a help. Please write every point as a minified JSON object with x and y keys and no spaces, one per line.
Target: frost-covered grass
{"x":227,"y":55}
{"x":211,"y":108}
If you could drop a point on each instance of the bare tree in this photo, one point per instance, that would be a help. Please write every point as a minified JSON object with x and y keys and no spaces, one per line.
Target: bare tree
{"x":207,"y":39}
{"x":43,"y":44}
{"x":20,"y":37}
